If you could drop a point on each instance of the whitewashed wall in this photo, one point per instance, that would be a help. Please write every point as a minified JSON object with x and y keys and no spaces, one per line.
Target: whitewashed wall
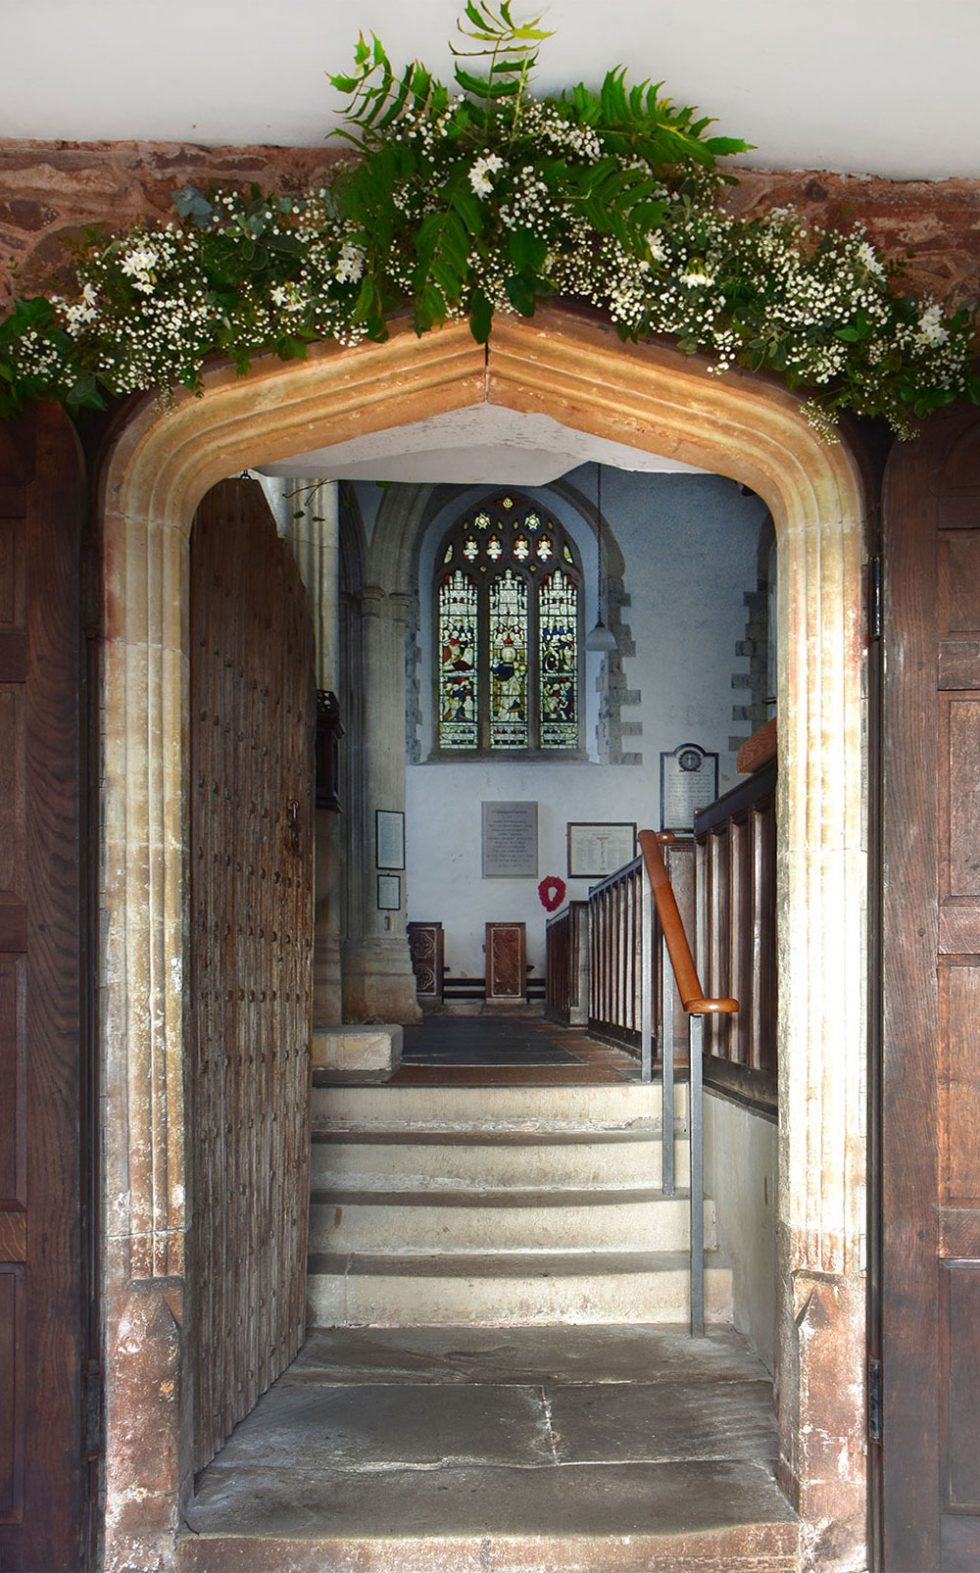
{"x":740,"y":1174}
{"x":690,"y":546}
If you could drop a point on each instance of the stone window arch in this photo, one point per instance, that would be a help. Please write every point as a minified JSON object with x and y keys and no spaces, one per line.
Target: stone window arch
{"x":508,"y":611}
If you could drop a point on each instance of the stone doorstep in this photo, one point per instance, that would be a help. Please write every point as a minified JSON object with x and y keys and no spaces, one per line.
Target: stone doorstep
{"x":755,"y":1548}
{"x":371,"y":1052}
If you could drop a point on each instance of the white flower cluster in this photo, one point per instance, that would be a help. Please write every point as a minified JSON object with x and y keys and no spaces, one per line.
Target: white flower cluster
{"x":544,"y":125}
{"x":531,"y":205}
{"x":482,"y":172}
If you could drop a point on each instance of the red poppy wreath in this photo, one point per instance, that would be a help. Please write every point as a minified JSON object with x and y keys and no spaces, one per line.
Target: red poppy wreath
{"x":552,"y":892}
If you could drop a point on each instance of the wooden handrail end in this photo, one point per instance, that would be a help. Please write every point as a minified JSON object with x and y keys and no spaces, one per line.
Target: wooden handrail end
{"x":703,"y":1007}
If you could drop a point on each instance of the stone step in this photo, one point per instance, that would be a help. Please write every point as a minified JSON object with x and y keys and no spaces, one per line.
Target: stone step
{"x":415,"y":1159}
{"x":511,"y":1288}
{"x":509,"y":1220}
{"x":612,"y":1105}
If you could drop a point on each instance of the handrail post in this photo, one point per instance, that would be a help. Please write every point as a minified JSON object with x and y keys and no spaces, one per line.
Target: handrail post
{"x":646,"y":980}
{"x":695,"y":1125}
{"x":667,"y":1065}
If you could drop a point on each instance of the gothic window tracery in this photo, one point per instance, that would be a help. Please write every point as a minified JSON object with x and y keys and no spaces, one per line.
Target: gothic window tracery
{"x":508,"y":615}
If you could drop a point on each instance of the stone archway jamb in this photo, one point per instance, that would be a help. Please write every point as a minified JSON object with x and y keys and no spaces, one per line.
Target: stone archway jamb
{"x":648,"y":396}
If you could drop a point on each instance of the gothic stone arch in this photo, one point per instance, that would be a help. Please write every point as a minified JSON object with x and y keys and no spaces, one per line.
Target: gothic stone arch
{"x":651,"y":397}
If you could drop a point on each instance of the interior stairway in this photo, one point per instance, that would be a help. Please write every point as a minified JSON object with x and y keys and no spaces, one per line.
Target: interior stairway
{"x":487,"y":1205}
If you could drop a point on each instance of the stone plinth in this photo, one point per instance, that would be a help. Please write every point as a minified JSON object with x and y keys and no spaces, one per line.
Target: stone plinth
{"x":373,"y":1051}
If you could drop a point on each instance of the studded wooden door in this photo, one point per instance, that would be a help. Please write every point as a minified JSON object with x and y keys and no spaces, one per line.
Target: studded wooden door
{"x":930,"y":1186}
{"x":42,"y":1088}
{"x":253,"y":714}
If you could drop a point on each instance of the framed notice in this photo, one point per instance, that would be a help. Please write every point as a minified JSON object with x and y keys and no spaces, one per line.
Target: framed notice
{"x":597,"y":849}
{"x":389,"y":838}
{"x":389,"y":892}
{"x":510,"y":840}
{"x":688,"y":781}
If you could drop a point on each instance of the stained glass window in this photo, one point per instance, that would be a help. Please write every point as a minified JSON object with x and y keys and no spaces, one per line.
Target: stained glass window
{"x":509,"y":643}
{"x":458,"y":666}
{"x":558,"y":670}
{"x":508,"y":661}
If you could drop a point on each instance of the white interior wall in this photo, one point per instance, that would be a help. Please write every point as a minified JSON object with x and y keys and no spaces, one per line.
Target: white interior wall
{"x":690,"y":548}
{"x":740,"y":1169}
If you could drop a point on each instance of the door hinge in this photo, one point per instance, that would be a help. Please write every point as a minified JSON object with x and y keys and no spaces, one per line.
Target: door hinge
{"x":92,"y":1409}
{"x":874,"y":599}
{"x":874,"y":1400}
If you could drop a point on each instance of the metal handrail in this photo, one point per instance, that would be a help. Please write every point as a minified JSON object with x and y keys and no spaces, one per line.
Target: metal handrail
{"x":677,"y":951}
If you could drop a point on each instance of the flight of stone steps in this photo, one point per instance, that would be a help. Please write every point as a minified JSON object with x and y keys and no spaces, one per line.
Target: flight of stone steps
{"x":499,"y":1205}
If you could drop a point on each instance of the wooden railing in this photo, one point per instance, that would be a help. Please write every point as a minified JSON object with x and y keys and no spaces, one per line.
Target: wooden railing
{"x":616,"y":915}
{"x":677,"y":955}
{"x":735,"y":843}
{"x":567,"y":965}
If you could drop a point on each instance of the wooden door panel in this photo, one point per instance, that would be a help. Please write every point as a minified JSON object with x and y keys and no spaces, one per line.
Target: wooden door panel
{"x":506,"y":962}
{"x":41,"y":1295}
{"x":253,"y":709}
{"x":931,"y":994}
{"x":12,"y":1375}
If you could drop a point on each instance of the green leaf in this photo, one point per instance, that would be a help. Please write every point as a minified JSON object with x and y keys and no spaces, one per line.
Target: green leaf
{"x":193,"y":204}
{"x":430,"y":308}
{"x":520,"y":294}
{"x":481,"y":317}
{"x":84,"y":393}
{"x":526,"y":250}
{"x":470,"y":210}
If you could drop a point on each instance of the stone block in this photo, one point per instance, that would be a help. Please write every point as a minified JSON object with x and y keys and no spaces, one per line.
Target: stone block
{"x":374,"y":1050}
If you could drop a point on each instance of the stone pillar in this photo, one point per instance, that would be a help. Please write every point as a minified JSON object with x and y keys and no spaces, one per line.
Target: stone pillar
{"x":379,"y":984}
{"x":309,"y":519}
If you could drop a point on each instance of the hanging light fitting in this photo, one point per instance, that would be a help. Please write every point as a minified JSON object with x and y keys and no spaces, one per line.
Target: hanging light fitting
{"x":601,"y":639}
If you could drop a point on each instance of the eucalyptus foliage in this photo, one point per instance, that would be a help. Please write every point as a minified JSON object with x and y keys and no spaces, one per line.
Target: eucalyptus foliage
{"x":461,"y":201}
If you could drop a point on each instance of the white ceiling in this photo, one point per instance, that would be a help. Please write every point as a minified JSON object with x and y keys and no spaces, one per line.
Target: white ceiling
{"x":868,"y":86}
{"x":483,"y":445}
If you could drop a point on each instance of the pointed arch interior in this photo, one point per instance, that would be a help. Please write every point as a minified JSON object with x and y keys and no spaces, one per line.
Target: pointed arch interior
{"x":649,"y":396}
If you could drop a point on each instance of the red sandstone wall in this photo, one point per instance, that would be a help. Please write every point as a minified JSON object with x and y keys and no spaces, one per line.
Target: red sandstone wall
{"x":50,"y":191}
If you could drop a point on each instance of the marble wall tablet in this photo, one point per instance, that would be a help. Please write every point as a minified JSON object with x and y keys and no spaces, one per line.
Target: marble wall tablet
{"x":510,"y":840}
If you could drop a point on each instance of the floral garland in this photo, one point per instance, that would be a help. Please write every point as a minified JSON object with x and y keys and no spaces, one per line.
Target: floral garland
{"x":486,"y":199}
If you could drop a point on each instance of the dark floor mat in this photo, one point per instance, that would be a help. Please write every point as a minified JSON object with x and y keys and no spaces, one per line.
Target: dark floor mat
{"x":483,"y":1040}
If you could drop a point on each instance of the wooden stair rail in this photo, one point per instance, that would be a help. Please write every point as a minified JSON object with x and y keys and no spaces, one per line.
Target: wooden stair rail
{"x":672,"y":924}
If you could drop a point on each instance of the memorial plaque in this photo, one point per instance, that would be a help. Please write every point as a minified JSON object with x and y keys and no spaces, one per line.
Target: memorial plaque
{"x":510,"y":840}
{"x":688,"y":781}
{"x":595,"y":850}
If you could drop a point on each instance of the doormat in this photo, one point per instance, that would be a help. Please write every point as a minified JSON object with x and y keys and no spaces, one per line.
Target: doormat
{"x":482,"y":1040}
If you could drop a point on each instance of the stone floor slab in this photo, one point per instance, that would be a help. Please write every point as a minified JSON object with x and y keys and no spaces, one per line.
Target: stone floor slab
{"x":501,"y":1450}
{"x":377,"y":1427}
{"x":627,"y":1499}
{"x":666,"y":1421}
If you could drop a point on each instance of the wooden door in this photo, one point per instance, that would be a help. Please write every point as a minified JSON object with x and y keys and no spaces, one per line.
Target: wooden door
{"x":506,"y":949}
{"x":930,"y":1182}
{"x":253,"y":716}
{"x":41,"y":1286}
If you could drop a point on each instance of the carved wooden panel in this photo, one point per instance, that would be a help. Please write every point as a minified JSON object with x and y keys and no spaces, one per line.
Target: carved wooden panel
{"x":253,"y":709}
{"x":41,"y":1180}
{"x":931,"y":1003}
{"x":506,"y":947}
{"x":12,"y":1385}
{"x":426,"y":945}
